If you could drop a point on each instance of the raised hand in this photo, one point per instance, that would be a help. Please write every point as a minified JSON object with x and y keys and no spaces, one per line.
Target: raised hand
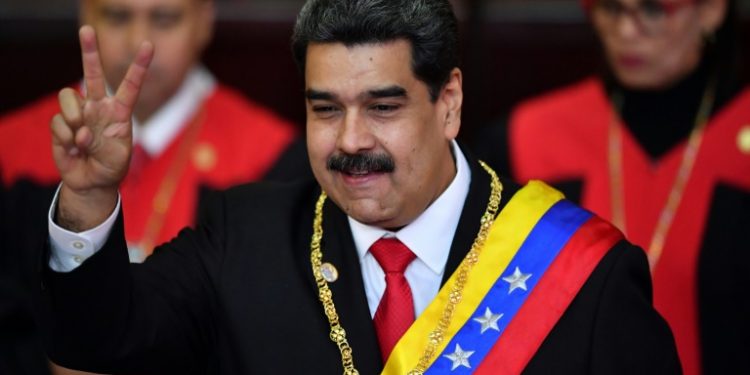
{"x":92,"y":137}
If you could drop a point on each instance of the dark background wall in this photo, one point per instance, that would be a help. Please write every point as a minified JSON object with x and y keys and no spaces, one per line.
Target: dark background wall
{"x":511,"y":49}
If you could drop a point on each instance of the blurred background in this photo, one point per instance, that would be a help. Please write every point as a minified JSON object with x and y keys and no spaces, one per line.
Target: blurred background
{"x":511,"y":49}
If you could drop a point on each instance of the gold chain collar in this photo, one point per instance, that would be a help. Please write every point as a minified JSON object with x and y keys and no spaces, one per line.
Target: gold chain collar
{"x":436,"y":336}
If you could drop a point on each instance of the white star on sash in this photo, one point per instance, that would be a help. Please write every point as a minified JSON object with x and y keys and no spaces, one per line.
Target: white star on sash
{"x":459,"y":357}
{"x":517,"y":280}
{"x":488,"y":321}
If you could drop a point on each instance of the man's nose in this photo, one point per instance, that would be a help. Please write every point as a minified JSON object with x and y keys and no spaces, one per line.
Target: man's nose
{"x":138,"y":32}
{"x":355,"y":135}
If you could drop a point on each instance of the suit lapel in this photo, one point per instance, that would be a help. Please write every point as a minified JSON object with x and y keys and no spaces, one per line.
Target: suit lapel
{"x":474,"y":207}
{"x":349,"y":291}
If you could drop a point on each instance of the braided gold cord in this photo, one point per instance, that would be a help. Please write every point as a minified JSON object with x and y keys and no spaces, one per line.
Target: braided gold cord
{"x":437,"y":335}
{"x":337,"y":334}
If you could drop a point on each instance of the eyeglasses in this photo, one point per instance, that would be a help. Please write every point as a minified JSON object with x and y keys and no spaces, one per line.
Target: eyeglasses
{"x":648,"y":14}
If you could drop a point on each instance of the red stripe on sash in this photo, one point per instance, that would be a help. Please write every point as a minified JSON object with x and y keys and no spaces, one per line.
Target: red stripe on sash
{"x":551,"y":297}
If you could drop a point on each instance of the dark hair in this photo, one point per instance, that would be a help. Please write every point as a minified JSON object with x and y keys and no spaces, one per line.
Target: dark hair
{"x":429,"y":25}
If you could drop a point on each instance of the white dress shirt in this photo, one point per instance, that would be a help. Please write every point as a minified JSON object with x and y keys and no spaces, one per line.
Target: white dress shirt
{"x":429,"y":237}
{"x":166,"y":123}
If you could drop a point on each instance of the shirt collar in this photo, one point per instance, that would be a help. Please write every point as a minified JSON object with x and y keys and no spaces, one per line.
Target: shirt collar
{"x":161,"y":129}
{"x":430,"y":236}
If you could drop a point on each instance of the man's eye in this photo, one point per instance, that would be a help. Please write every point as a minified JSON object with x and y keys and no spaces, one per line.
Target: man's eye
{"x":384,"y":108}
{"x":325,"y":111}
{"x":165,"y":20}
{"x":116,"y":17}
{"x":323,"y":108}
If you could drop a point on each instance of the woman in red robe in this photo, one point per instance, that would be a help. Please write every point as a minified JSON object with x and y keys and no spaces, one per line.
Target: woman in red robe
{"x":660,"y":145}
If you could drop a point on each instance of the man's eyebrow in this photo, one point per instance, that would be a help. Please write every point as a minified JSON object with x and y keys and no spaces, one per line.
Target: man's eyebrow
{"x":387,"y":92}
{"x":109,"y":10}
{"x":311,"y":94}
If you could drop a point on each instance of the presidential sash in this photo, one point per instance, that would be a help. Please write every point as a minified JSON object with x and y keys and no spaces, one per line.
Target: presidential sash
{"x":539,"y":252}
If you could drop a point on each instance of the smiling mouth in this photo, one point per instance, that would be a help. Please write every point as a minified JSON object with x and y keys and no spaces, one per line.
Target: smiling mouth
{"x":360,"y":178}
{"x":361,"y":173}
{"x":357,"y":173}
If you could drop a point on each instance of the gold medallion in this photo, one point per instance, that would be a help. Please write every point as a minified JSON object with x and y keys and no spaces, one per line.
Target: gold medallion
{"x":329,"y":272}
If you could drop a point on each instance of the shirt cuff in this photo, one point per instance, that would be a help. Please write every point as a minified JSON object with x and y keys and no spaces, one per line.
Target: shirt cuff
{"x":70,"y":249}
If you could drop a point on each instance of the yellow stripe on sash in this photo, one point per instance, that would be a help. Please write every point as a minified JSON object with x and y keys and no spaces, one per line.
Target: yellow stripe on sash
{"x":508,"y":232}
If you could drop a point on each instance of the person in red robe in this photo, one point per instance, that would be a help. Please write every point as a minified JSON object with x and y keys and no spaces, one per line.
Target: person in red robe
{"x":660,"y":145}
{"x":193,"y":135}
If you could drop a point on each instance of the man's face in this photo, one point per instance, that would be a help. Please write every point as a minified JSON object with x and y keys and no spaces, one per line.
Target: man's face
{"x":365,"y":101}
{"x":179,"y":30}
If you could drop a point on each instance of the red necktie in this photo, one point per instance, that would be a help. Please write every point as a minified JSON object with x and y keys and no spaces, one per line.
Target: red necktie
{"x":395,"y":313}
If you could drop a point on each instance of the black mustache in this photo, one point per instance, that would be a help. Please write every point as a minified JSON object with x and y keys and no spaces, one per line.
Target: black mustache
{"x":368,"y":162}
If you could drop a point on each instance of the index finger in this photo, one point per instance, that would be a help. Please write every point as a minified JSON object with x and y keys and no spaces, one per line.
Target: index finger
{"x":130,"y":86}
{"x":93,"y":73}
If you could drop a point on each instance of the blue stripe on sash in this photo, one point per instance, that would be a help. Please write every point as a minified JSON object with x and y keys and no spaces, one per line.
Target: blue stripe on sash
{"x":533,"y":258}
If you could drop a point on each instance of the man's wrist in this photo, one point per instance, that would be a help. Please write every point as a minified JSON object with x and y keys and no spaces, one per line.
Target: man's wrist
{"x":78,"y":211}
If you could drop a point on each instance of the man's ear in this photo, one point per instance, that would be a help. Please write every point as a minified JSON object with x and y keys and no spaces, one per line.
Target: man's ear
{"x":206,"y":22}
{"x":711,"y":15}
{"x":451,"y":98}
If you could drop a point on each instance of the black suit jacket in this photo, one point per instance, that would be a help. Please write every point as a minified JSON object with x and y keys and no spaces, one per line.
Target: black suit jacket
{"x":237,"y":296}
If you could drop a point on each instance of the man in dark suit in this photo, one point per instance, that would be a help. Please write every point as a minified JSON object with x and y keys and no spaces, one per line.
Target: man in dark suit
{"x":275,"y":273}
